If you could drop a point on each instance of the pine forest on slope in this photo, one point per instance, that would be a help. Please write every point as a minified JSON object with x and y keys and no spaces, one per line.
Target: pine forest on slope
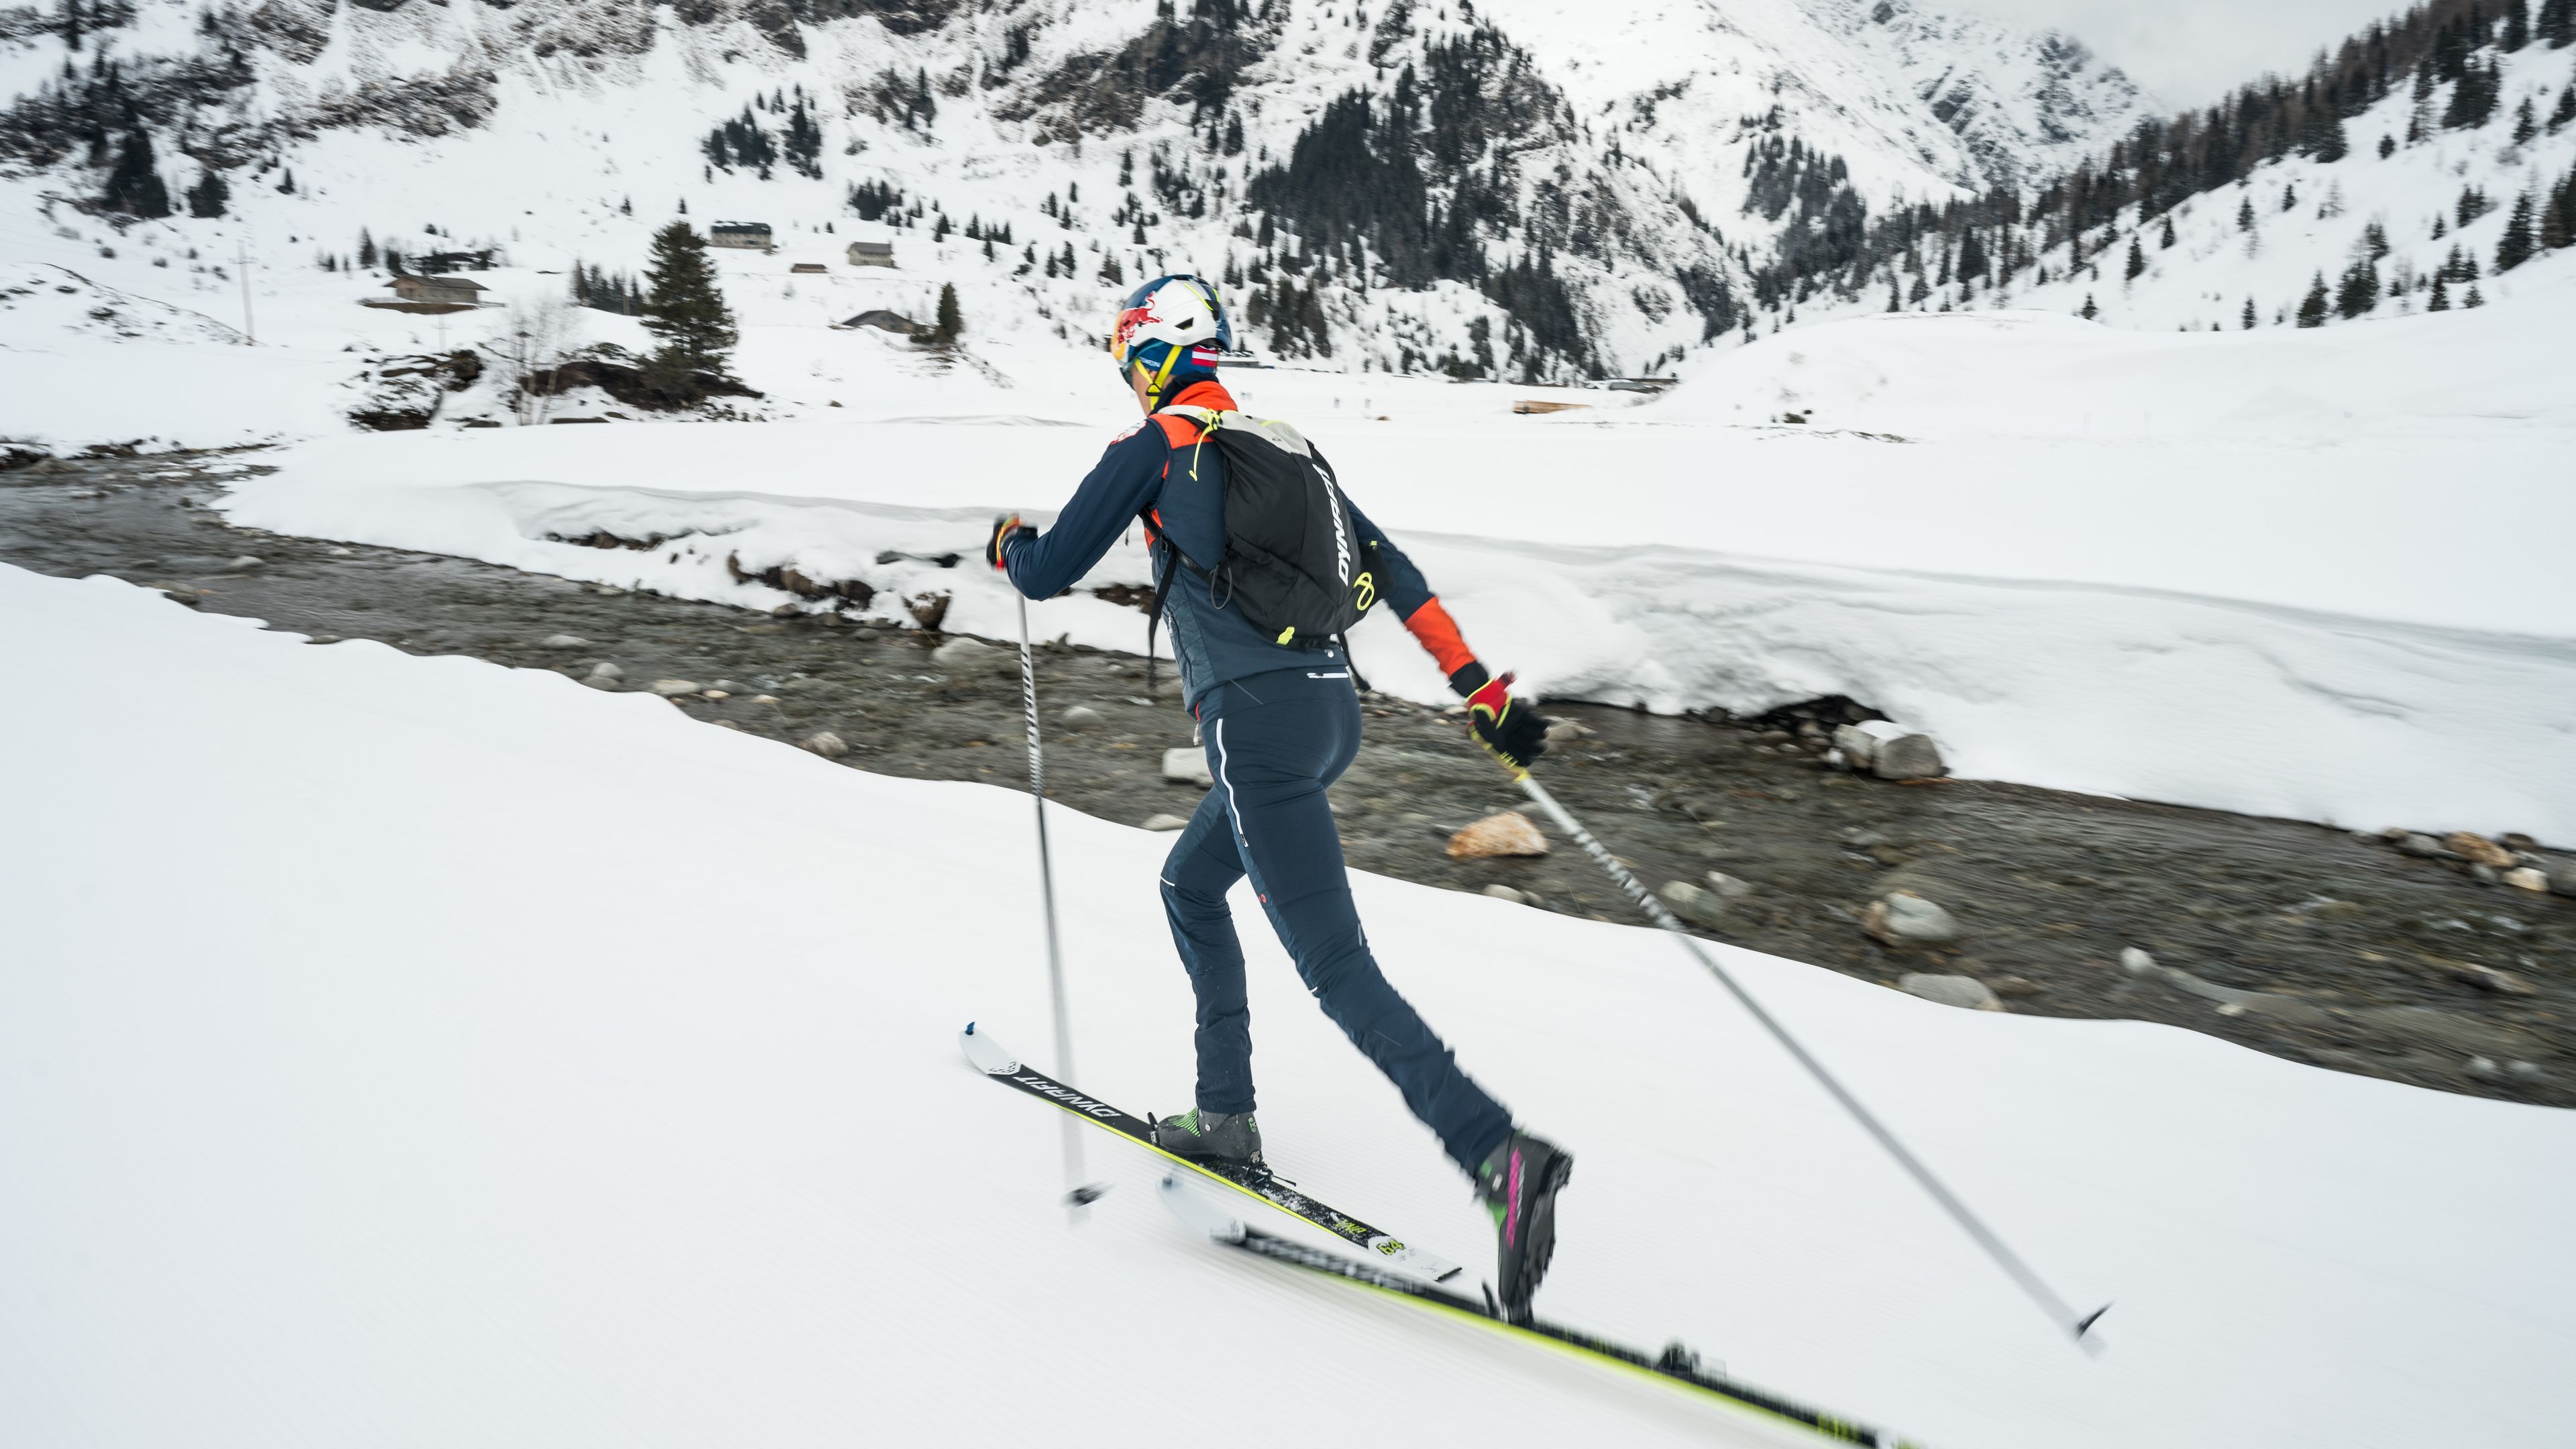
{"x":1406,"y":188}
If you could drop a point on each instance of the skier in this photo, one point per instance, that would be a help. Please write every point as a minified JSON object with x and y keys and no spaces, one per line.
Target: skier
{"x":1280,"y":720}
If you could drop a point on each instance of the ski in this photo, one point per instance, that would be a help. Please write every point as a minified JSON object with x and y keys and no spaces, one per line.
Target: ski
{"x":995,"y":1060}
{"x":1675,"y":1365}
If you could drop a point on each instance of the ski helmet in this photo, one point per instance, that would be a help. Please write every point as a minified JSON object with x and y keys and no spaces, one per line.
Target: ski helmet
{"x":1172,"y":330}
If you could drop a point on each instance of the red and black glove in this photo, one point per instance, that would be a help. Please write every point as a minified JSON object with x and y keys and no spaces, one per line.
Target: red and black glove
{"x":1508,"y":728}
{"x":1008,"y":532}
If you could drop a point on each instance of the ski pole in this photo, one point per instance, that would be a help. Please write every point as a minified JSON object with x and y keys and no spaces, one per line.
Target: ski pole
{"x":2065,"y":1317}
{"x":1078,"y":1194}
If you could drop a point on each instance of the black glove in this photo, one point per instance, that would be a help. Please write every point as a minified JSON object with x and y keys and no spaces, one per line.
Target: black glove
{"x":1508,"y":728}
{"x":1007,"y":530}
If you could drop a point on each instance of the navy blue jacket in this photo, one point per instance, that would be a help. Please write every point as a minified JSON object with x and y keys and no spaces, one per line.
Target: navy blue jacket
{"x":1158,"y":474}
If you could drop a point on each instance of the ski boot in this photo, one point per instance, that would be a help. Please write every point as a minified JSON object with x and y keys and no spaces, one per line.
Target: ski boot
{"x":1219,"y":1139}
{"x":1518,"y":1185}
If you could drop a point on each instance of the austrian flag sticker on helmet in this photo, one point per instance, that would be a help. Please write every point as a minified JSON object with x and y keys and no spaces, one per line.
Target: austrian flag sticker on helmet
{"x":1204,"y":355}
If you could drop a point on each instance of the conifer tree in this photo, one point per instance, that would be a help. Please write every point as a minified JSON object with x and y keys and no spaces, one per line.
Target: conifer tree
{"x":2557,"y":224}
{"x":2245,"y":214}
{"x":210,"y":195}
{"x":2358,"y":289}
{"x":2557,"y":23}
{"x":134,"y":187}
{"x":2525,"y":124}
{"x":2473,"y":299}
{"x":2248,"y":320}
{"x":950,"y":324}
{"x":2516,"y":246}
{"x":2441,"y":300}
{"x":366,"y":248}
{"x":2474,"y":95}
{"x":2565,"y":110}
{"x":2137,"y":260}
{"x":2517,"y":27}
{"x":2165,"y":243}
{"x":2330,"y":144}
{"x":2088,"y":311}
{"x":2312,"y":309}
{"x":687,"y":312}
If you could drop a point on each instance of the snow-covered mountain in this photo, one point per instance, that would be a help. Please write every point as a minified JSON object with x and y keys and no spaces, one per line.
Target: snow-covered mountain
{"x":2417,"y":166}
{"x":1516,"y":187}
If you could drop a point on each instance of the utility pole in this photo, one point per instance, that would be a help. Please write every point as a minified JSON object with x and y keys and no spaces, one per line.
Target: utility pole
{"x":241,"y":264}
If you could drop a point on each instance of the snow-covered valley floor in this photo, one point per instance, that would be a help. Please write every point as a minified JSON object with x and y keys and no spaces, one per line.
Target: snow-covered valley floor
{"x":428,"y":1052}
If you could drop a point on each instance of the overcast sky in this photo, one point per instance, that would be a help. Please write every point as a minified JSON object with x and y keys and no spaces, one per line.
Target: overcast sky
{"x":2185,"y":52}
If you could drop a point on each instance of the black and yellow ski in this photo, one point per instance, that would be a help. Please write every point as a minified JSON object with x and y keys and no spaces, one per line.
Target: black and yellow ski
{"x":995,"y":1061}
{"x":1676,"y":1365}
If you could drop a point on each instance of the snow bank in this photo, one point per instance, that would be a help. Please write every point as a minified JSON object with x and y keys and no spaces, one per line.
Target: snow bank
{"x":2046,"y":375}
{"x":432,"y":1053}
{"x":2108,"y":649}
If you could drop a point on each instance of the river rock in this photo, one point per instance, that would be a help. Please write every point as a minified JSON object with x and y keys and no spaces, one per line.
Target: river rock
{"x":1858,"y":746}
{"x":825,"y":743}
{"x":2529,"y":878}
{"x":1082,"y":717}
{"x":1963,"y":991}
{"x":1509,"y":833}
{"x":2485,"y":977}
{"x":2562,"y":878}
{"x":2136,"y":962}
{"x":1166,"y":822}
{"x":1502,"y":892}
{"x":1187,"y":767}
{"x":673,"y":688}
{"x":600,"y":681}
{"x":1902,"y":918}
{"x":1692,"y":904}
{"x":1729,"y":888}
{"x":2423,"y":847}
{"x":1908,"y":757}
{"x":965,"y":654}
{"x":563,"y":641}
{"x":2478,"y":850}
{"x":607,"y":669}
{"x":244,"y":564}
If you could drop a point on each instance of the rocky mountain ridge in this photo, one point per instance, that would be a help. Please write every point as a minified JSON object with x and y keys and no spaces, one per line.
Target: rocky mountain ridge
{"x":1493,"y":189}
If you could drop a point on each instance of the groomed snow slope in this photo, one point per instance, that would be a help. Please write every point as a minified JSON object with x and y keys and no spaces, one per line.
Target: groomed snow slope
{"x":430,"y":1053}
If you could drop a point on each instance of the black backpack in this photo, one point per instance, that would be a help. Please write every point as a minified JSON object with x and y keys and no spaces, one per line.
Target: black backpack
{"x":1294,"y":562}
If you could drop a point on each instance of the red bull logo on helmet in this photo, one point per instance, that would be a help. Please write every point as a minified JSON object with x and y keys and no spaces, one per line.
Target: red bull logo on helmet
{"x":1131,"y":319}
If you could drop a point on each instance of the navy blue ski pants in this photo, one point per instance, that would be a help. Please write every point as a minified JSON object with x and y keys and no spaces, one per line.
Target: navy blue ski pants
{"x":1273,"y":742}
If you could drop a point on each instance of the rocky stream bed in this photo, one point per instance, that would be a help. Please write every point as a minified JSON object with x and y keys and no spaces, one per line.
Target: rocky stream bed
{"x":2401,"y":958}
